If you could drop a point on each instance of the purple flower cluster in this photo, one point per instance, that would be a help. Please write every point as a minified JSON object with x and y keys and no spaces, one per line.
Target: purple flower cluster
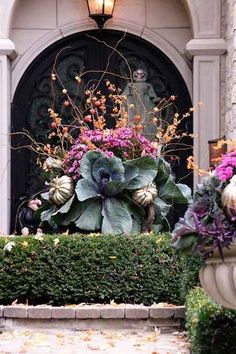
{"x":227,"y":168}
{"x":72,"y":162}
{"x":124,"y":143}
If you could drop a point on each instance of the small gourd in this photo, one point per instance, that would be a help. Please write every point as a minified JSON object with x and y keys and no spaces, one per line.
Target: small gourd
{"x":51,"y":162}
{"x":145,"y":195}
{"x":228,"y":197}
{"x":62,"y":188}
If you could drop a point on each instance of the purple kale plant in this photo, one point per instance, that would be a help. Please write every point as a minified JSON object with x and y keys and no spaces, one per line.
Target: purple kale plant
{"x":205,"y":225}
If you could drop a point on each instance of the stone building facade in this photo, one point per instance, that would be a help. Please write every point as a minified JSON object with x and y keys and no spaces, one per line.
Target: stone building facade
{"x":198,"y":36}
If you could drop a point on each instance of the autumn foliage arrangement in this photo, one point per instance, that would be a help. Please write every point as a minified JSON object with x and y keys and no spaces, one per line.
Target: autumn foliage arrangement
{"x":103,"y":172}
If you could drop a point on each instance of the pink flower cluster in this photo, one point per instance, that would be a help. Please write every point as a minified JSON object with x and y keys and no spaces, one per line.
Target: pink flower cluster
{"x":227,"y":168}
{"x":124,"y":143}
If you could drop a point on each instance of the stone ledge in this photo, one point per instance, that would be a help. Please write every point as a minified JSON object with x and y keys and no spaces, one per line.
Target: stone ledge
{"x":86,"y":312}
{"x":39,"y":312}
{"x":15,"y":311}
{"x":161,"y":312}
{"x":131,"y":312}
{"x":165,"y":325}
{"x":179,"y":312}
{"x":63,"y":312}
{"x":112,"y":312}
{"x":1,"y":310}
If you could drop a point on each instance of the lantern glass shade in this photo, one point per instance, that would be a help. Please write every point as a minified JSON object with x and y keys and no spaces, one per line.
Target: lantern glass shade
{"x":101,"y":10}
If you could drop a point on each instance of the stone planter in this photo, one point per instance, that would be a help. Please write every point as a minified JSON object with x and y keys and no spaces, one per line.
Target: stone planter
{"x":218,"y":278}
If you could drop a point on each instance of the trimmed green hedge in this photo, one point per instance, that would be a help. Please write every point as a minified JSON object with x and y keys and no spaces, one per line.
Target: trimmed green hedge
{"x":211,"y":327}
{"x":63,"y":269}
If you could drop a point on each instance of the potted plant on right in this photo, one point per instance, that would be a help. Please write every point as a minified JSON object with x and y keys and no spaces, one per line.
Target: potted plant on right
{"x":209,"y":228}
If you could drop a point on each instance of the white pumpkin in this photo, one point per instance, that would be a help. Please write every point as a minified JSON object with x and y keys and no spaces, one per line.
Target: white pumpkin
{"x":228,"y":197}
{"x":145,"y":195}
{"x":62,"y":188}
{"x":51,"y":162}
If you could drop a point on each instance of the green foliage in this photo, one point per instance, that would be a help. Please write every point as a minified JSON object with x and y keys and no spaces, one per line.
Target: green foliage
{"x":211,"y":327}
{"x":63,"y":269}
{"x":103,"y":196}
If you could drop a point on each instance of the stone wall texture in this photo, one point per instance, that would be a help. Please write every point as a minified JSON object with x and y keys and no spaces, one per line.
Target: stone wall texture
{"x":228,"y":89}
{"x":33,"y":19}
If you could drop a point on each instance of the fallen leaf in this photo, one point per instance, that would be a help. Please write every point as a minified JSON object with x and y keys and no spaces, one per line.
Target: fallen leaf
{"x":112,"y":344}
{"x":14,"y":302}
{"x":137,"y":344}
{"x":59,"y":335}
{"x":113,"y":303}
{"x":151,"y":338}
{"x":25,"y":244}
{"x":38,"y":237}
{"x":157,"y":331}
{"x":93,"y":347}
{"x":56,"y":241}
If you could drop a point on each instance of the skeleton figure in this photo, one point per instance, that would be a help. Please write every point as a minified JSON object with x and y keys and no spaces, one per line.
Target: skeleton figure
{"x":141,"y":99}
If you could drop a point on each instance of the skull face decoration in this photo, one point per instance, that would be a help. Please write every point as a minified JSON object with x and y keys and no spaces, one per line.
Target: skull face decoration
{"x":139,"y":75}
{"x":141,"y":99}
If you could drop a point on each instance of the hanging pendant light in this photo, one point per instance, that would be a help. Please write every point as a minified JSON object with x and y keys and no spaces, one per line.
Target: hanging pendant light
{"x":101,"y":11}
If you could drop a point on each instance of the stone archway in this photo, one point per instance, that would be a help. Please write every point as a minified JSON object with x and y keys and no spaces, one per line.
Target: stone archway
{"x":21,"y":64}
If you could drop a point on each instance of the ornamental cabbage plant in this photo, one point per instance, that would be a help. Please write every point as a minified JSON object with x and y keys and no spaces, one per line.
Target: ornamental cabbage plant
{"x":103,"y":201}
{"x":210,"y":220}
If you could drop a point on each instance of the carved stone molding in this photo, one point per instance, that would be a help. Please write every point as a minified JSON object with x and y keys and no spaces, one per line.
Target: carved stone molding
{"x":21,"y":63}
{"x":206,"y":47}
{"x":7,"y":47}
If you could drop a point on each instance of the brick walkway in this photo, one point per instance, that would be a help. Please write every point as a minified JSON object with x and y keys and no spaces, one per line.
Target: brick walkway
{"x":88,"y":342}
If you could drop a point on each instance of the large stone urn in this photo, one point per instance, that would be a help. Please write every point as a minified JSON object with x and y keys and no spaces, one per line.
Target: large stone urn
{"x":218,"y":277}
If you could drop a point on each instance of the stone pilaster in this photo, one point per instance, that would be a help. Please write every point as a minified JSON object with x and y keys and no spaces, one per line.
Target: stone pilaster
{"x":206,"y":78}
{"x":7,"y":51}
{"x":230,"y":120}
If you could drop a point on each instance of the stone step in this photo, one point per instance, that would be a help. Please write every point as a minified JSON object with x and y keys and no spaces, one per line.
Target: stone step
{"x":96,"y":317}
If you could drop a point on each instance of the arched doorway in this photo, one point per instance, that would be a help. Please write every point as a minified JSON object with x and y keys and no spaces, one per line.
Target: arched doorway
{"x":33,"y":94}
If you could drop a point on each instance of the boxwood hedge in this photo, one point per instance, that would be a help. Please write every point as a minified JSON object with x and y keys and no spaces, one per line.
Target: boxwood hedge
{"x":211,"y":327}
{"x":64,"y":269}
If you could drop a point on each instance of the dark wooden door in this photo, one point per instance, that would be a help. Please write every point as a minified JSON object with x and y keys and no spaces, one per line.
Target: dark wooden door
{"x":92,"y":52}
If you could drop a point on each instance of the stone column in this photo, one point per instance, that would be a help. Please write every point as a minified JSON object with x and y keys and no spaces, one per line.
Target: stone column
{"x":7,"y":52}
{"x":206,"y":89}
{"x":230,"y":120}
